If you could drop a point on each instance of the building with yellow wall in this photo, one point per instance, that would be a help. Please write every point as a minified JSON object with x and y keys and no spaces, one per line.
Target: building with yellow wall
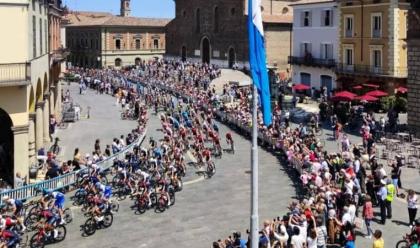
{"x":26,"y":100}
{"x":372,"y":37}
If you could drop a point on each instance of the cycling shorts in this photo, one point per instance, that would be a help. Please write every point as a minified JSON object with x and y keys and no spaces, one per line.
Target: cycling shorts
{"x":59,"y":202}
{"x":107,"y":192}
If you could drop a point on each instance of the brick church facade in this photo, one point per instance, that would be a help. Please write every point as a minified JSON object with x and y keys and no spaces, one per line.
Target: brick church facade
{"x":215,"y":31}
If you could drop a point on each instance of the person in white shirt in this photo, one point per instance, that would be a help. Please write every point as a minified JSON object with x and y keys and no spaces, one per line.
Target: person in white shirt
{"x":297,"y":240}
{"x":346,"y":216}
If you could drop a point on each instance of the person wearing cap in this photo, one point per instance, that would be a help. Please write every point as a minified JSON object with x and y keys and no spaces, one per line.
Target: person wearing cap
{"x":381,"y":195}
{"x":390,"y":188}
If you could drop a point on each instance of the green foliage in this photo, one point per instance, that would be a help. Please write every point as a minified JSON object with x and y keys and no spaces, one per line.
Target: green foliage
{"x":396,"y":102}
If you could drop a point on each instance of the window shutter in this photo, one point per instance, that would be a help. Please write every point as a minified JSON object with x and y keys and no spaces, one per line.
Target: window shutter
{"x":302,"y":49}
{"x":302,"y":18}
{"x":331,"y":17}
{"x":323,"y":18}
{"x":330,"y":51}
{"x":310,"y":18}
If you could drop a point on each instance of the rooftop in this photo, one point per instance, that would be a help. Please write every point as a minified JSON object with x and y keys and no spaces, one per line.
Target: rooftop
{"x":305,"y":2}
{"x":81,"y":18}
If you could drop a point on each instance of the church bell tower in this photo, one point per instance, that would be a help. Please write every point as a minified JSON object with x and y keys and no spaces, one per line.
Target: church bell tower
{"x":125,"y":8}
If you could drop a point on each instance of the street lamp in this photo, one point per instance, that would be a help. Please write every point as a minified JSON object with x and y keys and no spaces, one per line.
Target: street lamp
{"x":99,"y":60}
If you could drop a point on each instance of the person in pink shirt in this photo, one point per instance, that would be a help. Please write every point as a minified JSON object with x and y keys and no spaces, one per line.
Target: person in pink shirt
{"x":368,"y":215}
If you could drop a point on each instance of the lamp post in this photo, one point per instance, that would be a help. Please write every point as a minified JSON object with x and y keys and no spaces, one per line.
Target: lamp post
{"x":99,"y":61}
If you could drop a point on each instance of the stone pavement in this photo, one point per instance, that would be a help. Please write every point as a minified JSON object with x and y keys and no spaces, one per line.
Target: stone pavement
{"x":104,"y":123}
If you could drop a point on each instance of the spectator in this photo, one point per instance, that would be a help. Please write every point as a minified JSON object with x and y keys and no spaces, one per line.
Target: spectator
{"x":378,"y":241}
{"x":412,"y":206}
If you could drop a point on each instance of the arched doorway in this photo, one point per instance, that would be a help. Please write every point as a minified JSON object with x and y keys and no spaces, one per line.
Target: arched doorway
{"x":6,"y":147}
{"x":232,"y":57}
{"x":205,"y":50}
{"x":137,"y":61}
{"x":118,"y":62}
{"x":184,"y":53}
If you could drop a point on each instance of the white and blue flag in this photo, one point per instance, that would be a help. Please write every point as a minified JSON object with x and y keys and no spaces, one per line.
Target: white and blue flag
{"x":257,"y":57}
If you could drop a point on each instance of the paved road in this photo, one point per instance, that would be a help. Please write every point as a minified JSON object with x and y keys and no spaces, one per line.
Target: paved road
{"x":104,"y":123}
{"x":204,"y":211}
{"x":207,"y":209}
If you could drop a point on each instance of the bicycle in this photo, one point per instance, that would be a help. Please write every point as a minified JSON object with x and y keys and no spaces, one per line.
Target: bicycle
{"x":95,"y":223}
{"x":43,"y":237}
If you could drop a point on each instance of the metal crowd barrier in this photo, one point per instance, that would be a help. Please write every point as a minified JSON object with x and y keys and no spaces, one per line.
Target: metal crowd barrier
{"x":29,"y":191}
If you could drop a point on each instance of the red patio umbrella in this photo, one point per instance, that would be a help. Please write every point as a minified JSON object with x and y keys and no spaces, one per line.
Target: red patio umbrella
{"x":358,"y":87}
{"x":368,"y":98}
{"x":402,"y":89}
{"x":301,"y":87}
{"x":377,"y":93}
{"x":346,"y":94}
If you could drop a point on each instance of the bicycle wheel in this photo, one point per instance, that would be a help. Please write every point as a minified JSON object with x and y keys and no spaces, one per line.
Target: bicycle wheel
{"x":61,"y":233}
{"x":108,"y":219}
{"x":68,"y":215}
{"x":115,"y":206}
{"x":37,"y":241}
{"x":402,"y":244}
{"x":89,"y":228}
{"x":161,"y":204}
{"x":30,"y":221}
{"x":172,"y":197}
{"x":141,"y":206}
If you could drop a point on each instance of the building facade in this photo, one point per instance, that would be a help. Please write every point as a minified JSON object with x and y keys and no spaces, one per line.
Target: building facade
{"x":97,"y":39}
{"x":372,"y":43}
{"x":25,"y":99}
{"x":315,"y":43}
{"x":215,"y":31}
{"x":413,"y":46}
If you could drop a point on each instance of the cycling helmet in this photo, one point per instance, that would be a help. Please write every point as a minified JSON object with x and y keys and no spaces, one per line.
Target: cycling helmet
{"x":97,"y":184}
{"x":45,"y":192}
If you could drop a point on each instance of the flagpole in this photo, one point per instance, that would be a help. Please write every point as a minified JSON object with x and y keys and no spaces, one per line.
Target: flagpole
{"x":254,"y":171}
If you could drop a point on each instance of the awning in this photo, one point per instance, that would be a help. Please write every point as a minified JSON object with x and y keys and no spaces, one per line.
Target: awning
{"x":367,"y":98}
{"x":377,"y":93}
{"x":301,"y":87}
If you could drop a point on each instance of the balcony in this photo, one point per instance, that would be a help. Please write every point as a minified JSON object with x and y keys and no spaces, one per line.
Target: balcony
{"x":367,"y":70}
{"x":14,"y":74}
{"x":310,"y":61}
{"x":349,"y":33}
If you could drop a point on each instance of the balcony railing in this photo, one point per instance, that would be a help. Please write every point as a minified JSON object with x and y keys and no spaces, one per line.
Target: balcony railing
{"x":310,"y":61}
{"x":15,"y":72}
{"x":371,"y":70}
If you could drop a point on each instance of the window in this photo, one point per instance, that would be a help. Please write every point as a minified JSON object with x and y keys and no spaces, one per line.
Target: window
{"x":97,"y":44}
{"x":91,"y":43}
{"x":306,"y":18}
{"x":326,"y":51}
{"x":216,"y":19}
{"x":326,"y":18}
{"x":197,"y":21}
{"x":376,"y":25}
{"x":118,"y":62}
{"x":33,"y":5}
{"x":138,"y":44}
{"x":376,"y":58}
{"x":348,"y":22}
{"x":34,"y":36}
{"x":40,"y":37}
{"x":118,"y":44}
{"x":348,"y":56}
{"x":305,"y":49}
{"x":156,"y":44}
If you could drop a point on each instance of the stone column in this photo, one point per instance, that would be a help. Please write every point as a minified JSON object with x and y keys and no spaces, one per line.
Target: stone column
{"x":20,"y":150}
{"x":31,"y":141}
{"x":58,"y":101}
{"x":52,"y":100}
{"x":39,"y":127}
{"x":46,"y":122}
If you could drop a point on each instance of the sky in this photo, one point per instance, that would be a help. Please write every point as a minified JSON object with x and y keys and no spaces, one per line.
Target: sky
{"x":139,"y":8}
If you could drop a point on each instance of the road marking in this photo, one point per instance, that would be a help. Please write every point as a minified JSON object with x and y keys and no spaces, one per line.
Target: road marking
{"x":195,"y":180}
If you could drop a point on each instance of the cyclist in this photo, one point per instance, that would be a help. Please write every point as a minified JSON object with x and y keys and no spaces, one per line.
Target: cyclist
{"x":105,"y":191}
{"x":59,"y":200}
{"x":16,"y":206}
{"x":229,"y":141}
{"x":11,"y":238}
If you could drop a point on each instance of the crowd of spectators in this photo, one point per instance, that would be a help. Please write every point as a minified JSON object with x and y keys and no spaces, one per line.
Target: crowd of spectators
{"x":340,"y":188}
